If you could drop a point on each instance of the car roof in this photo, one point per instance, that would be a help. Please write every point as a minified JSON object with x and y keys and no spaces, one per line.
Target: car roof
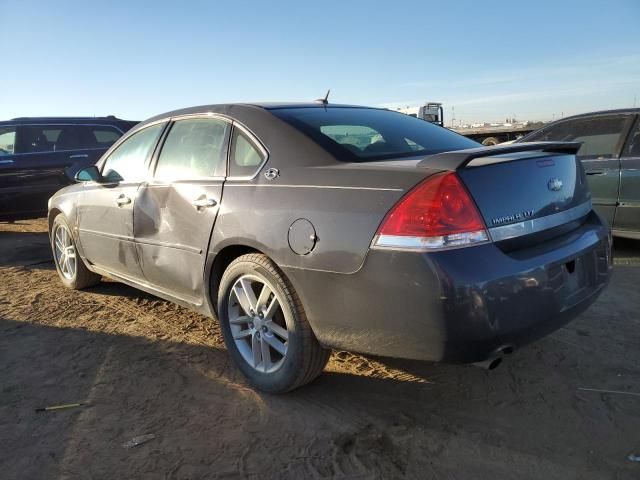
{"x":619,"y":111}
{"x":263,"y":105}
{"x":29,"y":120}
{"x":279,"y":105}
{"x":227,"y":108}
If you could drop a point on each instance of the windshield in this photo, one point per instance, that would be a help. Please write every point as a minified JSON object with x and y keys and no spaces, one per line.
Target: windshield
{"x":365,"y":134}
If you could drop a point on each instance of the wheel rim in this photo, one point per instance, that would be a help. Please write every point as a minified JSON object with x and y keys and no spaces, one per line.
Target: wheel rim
{"x":65,"y":252}
{"x":258,"y":323}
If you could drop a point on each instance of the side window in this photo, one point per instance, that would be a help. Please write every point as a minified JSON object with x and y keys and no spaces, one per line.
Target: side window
{"x":7,"y":140}
{"x":600,"y":136}
{"x":553,"y":133}
{"x":246,"y":158}
{"x":128,"y":162}
{"x":65,"y":137}
{"x":47,"y":138}
{"x":194,"y":148}
{"x":97,"y":136}
{"x":632,"y":149}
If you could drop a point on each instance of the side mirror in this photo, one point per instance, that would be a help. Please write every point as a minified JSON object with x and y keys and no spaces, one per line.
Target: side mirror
{"x":88,"y":174}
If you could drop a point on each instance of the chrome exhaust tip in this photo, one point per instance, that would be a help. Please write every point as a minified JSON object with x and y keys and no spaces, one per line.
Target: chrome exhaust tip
{"x":495,"y":358}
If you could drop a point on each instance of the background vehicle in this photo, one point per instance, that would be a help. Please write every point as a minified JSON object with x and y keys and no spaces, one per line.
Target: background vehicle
{"x":487,"y":134}
{"x":430,"y":112}
{"x":38,"y":156}
{"x":309,"y":227}
{"x":494,"y":134}
{"x":610,"y":153}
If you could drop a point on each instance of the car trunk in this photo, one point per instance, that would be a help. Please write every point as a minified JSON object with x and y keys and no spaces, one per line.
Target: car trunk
{"x":513,"y":188}
{"x":525,"y":194}
{"x":522,"y":191}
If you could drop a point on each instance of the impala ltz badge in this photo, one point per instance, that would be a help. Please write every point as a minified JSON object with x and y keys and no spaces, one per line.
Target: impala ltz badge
{"x":514,"y":217}
{"x":555,"y":184}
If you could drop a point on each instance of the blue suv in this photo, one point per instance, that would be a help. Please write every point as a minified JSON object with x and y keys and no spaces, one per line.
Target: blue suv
{"x":38,"y":156}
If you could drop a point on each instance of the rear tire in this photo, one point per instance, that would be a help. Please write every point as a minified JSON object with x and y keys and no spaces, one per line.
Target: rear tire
{"x":71,"y":268}
{"x":490,"y":141}
{"x":288,"y":353}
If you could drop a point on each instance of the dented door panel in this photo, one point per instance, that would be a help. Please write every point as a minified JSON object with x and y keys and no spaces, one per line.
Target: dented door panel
{"x":172,"y":227}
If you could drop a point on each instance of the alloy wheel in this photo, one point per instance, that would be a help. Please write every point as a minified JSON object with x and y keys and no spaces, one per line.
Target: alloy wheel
{"x":257,"y":322}
{"x":65,"y":252}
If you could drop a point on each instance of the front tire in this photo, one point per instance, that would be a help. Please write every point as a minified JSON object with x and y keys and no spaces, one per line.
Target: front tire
{"x":71,"y":268}
{"x":265,"y":327}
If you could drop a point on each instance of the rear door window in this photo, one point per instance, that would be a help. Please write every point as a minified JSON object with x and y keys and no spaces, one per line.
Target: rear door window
{"x":246,"y":157}
{"x":601,"y":136}
{"x":47,"y":138}
{"x":128,"y":162}
{"x":194,"y":148}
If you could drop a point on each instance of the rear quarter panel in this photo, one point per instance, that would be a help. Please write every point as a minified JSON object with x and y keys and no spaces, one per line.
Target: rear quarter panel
{"x":345,"y":202}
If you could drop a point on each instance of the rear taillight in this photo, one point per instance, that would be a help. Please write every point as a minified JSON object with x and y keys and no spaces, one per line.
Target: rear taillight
{"x":438,"y":213}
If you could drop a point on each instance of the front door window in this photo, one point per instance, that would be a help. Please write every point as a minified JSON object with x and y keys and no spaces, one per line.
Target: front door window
{"x":128,"y":162}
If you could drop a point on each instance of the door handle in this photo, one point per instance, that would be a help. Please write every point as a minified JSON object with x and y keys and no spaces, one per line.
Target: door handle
{"x":2,"y":162}
{"x":204,"y":202}
{"x":596,"y":172}
{"x":123,"y":200}
{"x":79,"y":155}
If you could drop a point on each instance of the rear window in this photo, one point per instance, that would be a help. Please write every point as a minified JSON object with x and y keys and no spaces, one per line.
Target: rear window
{"x":364,"y":134}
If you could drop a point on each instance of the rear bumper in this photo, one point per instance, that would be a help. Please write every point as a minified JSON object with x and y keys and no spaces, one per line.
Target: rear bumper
{"x":458,"y":305}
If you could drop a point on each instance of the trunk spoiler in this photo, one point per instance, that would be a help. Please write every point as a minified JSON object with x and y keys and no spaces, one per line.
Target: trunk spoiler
{"x":459,"y":159}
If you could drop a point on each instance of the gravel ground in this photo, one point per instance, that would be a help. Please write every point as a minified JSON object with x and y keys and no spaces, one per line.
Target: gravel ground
{"x":567,"y":407}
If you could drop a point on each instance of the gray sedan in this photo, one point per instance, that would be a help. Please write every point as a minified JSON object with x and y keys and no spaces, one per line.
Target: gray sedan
{"x":310,"y":227}
{"x":610,"y":154}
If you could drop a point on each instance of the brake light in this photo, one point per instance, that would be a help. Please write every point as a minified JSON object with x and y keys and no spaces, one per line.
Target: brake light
{"x":438,"y":213}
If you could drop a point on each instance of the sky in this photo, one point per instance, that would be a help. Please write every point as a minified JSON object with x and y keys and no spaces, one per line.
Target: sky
{"x":484,"y":60}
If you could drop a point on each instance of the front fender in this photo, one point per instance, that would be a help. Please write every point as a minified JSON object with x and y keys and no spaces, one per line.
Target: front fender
{"x":65,"y":202}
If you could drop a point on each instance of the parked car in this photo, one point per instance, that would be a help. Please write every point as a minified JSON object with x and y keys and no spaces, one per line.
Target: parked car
{"x":610,"y":153}
{"x":310,"y":227}
{"x":38,"y":156}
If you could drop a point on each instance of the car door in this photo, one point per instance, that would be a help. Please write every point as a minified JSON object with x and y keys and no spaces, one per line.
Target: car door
{"x":175,"y":211}
{"x":105,"y":208}
{"x":602,"y":137}
{"x":627,"y":219}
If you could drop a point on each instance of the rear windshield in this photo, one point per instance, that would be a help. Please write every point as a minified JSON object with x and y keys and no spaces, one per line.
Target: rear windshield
{"x":365,"y":134}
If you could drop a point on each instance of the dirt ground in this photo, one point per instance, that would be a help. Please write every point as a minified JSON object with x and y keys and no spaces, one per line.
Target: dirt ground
{"x":146,"y":366}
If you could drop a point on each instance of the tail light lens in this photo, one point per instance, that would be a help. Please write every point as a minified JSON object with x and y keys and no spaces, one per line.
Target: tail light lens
{"x":438,"y":213}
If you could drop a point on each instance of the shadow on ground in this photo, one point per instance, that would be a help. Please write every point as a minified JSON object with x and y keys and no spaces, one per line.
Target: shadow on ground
{"x":144,"y":366}
{"x":525,"y":420}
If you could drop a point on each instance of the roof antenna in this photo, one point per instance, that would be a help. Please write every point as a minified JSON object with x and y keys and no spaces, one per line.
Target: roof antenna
{"x":325,"y":100}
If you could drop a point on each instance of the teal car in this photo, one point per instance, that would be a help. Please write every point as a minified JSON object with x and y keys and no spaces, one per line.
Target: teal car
{"x":610,"y":154}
